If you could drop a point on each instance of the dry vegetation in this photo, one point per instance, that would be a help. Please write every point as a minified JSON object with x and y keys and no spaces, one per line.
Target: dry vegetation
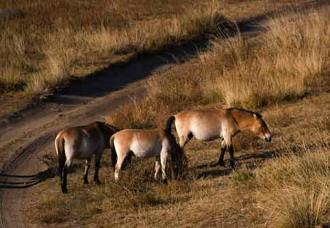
{"x":284,"y":72}
{"x":40,"y":51}
{"x":281,"y":65}
{"x":213,"y":196}
{"x":57,"y":40}
{"x":294,"y":52}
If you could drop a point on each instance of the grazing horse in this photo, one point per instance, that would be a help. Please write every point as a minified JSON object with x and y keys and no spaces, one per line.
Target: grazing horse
{"x":146,"y":143}
{"x":82,"y":142}
{"x":210,"y":124}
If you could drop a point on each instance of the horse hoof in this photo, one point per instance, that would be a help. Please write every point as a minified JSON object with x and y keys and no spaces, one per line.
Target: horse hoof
{"x":165,"y":181}
{"x":232,"y":165}
{"x":86,"y":182}
{"x":97,"y":182}
{"x":64,"y":191}
{"x":221,"y":163}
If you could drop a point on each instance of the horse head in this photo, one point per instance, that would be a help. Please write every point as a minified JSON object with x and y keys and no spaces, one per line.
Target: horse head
{"x":260,"y":128}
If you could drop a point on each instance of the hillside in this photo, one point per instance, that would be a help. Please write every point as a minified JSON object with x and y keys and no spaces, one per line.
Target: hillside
{"x":272,"y":61}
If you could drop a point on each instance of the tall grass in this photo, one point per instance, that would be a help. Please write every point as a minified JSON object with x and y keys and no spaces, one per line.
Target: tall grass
{"x":13,"y":59}
{"x":278,"y":66}
{"x":295,"y":50}
{"x":64,"y":47}
{"x":290,"y":191}
{"x":295,"y":190}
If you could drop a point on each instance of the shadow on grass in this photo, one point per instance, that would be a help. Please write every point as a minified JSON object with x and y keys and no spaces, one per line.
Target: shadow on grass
{"x":250,"y":161}
{"x":143,"y":63}
{"x":25,"y":181}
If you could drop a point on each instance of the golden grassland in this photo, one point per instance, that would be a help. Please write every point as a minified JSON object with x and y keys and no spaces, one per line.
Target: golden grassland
{"x":285,"y":74}
{"x":54,"y":41}
{"x":59,"y":40}
{"x":282,"y":65}
{"x":296,"y":181}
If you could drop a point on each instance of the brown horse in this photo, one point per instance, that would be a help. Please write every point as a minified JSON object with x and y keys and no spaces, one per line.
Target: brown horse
{"x":146,"y":143}
{"x":210,"y":124}
{"x":82,"y":142}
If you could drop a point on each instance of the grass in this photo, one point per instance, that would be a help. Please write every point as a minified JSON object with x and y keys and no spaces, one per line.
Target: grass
{"x":282,"y":65}
{"x":299,"y":189}
{"x":282,"y":184}
{"x":44,"y":49}
{"x":295,"y":51}
{"x":39,"y":60}
{"x":252,"y":196}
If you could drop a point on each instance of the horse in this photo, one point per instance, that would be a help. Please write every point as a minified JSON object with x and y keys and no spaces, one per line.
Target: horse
{"x":82,"y":142}
{"x":211,"y":124}
{"x":147,"y":143}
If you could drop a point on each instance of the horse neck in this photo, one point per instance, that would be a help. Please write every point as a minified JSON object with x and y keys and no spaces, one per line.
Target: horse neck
{"x":106,"y":133}
{"x":244,"y":120}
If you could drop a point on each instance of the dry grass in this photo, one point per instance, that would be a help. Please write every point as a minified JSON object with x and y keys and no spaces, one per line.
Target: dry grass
{"x":295,"y":51}
{"x":282,"y":65}
{"x":294,"y":189}
{"x":34,"y":62}
{"x":60,"y":48}
{"x":262,"y":191}
{"x":291,"y":190}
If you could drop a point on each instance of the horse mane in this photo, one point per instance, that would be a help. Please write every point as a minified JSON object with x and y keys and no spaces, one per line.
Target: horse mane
{"x":248,"y":111}
{"x":105,"y":126}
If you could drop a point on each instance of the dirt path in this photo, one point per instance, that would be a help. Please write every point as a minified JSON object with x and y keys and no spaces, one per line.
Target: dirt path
{"x":32,"y":132}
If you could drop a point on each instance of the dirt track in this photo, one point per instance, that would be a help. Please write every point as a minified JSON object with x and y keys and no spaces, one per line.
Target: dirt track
{"x":32,"y":132}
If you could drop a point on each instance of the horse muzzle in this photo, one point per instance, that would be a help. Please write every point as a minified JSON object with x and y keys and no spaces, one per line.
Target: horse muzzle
{"x":268,"y":137}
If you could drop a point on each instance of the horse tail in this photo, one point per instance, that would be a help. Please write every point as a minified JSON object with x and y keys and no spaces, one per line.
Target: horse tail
{"x":113,"y":151}
{"x":169,"y":122}
{"x":59,"y":147}
{"x":178,"y":157}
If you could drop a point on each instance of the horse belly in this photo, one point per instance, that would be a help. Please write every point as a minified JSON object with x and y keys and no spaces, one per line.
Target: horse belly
{"x":87,"y":149}
{"x":146,"y":150}
{"x":205,"y":132}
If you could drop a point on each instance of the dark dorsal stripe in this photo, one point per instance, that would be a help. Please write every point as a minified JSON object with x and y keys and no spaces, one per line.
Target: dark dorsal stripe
{"x":244,"y":110}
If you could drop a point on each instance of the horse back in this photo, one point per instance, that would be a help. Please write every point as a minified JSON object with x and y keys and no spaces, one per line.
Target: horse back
{"x":82,"y":141}
{"x":199,"y":118}
{"x":205,"y":124}
{"x":143,"y":143}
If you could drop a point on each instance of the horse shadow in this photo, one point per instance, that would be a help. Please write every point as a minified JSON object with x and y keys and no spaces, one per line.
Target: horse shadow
{"x":250,"y":161}
{"x":26,"y":181}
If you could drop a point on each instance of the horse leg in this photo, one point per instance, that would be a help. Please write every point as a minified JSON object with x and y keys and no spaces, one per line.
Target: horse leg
{"x":228,"y":142}
{"x":61,"y":164}
{"x":64,"y":180}
{"x":64,"y":176}
{"x":97,"y":167}
{"x":231,"y":153}
{"x":119,"y":164}
{"x":163,"y":161}
{"x":184,"y":139}
{"x":87,"y":166}
{"x":222,"y":153}
{"x":127,"y":161}
{"x":157,"y":168}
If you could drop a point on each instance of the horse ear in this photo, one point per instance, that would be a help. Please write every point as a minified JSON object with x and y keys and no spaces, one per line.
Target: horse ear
{"x":257,"y":115}
{"x":99,"y":123}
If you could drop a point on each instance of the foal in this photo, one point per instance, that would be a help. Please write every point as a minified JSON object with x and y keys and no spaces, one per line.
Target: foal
{"x":82,"y":142}
{"x":210,"y":124}
{"x":146,"y":143}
